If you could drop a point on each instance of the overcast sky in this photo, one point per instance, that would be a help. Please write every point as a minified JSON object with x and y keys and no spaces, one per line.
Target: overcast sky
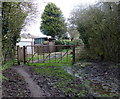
{"x":66,"y":7}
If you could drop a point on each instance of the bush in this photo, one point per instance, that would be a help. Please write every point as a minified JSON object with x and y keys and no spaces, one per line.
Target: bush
{"x":45,"y":42}
{"x":67,"y":42}
{"x":63,"y":42}
{"x":99,"y":29}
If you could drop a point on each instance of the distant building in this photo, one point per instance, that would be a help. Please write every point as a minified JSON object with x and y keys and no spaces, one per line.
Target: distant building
{"x":40,"y":40}
{"x":29,"y":40}
{"x":44,"y":41}
{"x":26,"y":40}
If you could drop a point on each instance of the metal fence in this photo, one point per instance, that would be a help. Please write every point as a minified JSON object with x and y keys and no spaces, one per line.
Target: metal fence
{"x":46,"y":54}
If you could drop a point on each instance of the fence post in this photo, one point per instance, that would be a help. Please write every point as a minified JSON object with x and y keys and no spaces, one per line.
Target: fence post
{"x":13,"y":56}
{"x":18,"y":55}
{"x":73,"y":60}
{"x":32,"y":52}
{"x":43,"y":54}
{"x":24,"y":54}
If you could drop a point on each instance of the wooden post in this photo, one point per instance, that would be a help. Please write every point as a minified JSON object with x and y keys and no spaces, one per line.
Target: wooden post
{"x":73,"y":60}
{"x":18,"y":55}
{"x":43,"y":53}
{"x":32,"y":53}
{"x":55,"y":54}
{"x":38,"y":53}
{"x":13,"y":56}
{"x":49,"y":53}
{"x":24,"y":54}
{"x":67,"y":56}
{"x":61,"y":56}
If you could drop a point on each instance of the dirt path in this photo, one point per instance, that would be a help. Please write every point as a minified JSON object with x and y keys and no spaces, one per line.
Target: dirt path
{"x":23,"y":81}
{"x":14,"y":84}
{"x":36,"y":91}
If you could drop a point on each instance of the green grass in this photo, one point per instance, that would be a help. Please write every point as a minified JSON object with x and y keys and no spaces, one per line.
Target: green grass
{"x":65,"y":61}
{"x":8,"y":64}
{"x":36,"y":57}
{"x":63,"y":80}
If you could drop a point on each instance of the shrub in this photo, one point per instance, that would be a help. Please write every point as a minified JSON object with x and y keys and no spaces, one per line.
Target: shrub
{"x":67,"y":42}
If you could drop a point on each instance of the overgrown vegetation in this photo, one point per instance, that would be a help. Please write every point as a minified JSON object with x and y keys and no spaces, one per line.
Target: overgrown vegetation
{"x":8,"y":64}
{"x":13,"y":17}
{"x":99,"y":30}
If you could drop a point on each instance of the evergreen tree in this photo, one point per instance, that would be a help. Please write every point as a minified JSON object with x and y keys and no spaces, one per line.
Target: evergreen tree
{"x":53,"y":23}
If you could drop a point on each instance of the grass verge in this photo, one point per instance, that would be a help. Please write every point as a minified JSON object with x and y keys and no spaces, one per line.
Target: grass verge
{"x":59,"y":78}
{"x":8,"y":64}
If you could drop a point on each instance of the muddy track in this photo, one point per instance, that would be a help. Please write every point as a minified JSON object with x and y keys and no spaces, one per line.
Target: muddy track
{"x":21,"y":82}
{"x":14,"y":85}
{"x":35,"y":90}
{"x":44,"y":82}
